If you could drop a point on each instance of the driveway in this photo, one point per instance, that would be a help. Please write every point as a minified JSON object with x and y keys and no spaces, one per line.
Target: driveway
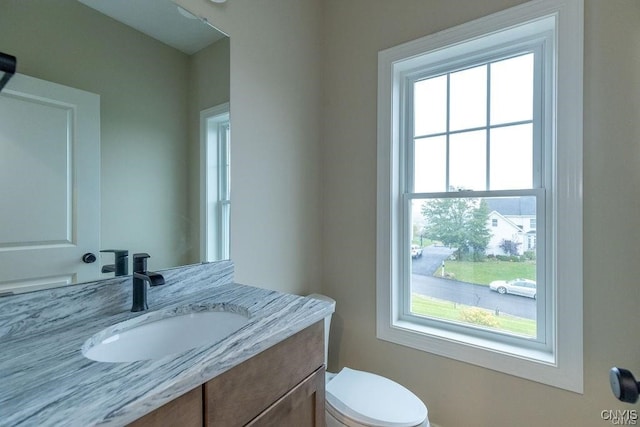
{"x":431,"y":259}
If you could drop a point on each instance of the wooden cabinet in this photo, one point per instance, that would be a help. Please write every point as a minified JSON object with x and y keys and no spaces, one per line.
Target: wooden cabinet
{"x":303,"y":406}
{"x":185,"y":411}
{"x":282,"y":386}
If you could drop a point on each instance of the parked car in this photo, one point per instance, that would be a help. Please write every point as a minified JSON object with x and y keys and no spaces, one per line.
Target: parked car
{"x":524,"y":287}
{"x":416,"y":251}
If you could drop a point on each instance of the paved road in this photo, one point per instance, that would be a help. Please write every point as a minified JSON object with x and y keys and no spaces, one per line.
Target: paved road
{"x":431,"y":259}
{"x":423,"y":283}
{"x":473,"y":295}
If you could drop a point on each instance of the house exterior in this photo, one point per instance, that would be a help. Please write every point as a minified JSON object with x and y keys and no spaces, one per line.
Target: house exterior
{"x":514,"y":219}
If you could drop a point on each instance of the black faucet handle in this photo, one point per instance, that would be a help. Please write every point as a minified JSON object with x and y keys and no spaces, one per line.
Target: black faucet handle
{"x":140,"y":262}
{"x":118,"y":253}
{"x":121,"y":265}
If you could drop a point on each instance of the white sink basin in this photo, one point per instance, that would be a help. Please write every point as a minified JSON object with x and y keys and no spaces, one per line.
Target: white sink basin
{"x":155,"y":335}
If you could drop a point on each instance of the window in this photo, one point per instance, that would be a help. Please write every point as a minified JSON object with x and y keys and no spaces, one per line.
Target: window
{"x":479,"y":123}
{"x":216,"y":189}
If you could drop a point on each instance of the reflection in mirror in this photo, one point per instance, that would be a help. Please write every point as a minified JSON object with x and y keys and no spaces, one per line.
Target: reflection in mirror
{"x":153,"y":83}
{"x":215,"y":157}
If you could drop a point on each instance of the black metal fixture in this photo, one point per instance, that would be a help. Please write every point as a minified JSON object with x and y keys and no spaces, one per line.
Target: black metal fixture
{"x":7,"y":68}
{"x":140,"y":276}
{"x":121,"y":264}
{"x":624,"y":386}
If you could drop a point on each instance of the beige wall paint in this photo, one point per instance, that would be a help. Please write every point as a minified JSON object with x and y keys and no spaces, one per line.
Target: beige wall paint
{"x":459,"y":394}
{"x":142,"y":86}
{"x":275,"y":150}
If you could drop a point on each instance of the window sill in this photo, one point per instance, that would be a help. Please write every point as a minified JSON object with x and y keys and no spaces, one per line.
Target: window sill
{"x":445,"y":340}
{"x":531,"y":364}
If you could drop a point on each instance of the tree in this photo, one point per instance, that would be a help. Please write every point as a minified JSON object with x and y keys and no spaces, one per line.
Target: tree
{"x":458,"y":222}
{"x":479,"y":233}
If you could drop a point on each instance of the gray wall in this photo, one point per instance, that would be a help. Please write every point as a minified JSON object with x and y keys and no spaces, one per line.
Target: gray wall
{"x":209,"y":74}
{"x":275,"y":139}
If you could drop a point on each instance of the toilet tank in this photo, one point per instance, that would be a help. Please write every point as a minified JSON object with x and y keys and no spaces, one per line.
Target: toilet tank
{"x":327,"y":324}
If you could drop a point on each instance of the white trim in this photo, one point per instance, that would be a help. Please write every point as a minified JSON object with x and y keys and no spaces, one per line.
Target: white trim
{"x":219,"y":114}
{"x":562,"y":366}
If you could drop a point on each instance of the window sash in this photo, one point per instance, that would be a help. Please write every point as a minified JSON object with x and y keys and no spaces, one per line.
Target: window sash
{"x":541,"y":63}
{"x":544,"y":315}
{"x":224,"y":189}
{"x":215,"y":140}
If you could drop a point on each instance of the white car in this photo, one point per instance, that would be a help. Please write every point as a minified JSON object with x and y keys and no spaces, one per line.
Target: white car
{"x":416,"y":251}
{"x":524,"y":287}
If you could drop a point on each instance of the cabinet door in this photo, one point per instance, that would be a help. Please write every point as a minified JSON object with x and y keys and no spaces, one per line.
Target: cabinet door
{"x":185,"y":411}
{"x":239,"y":395}
{"x":303,"y":406}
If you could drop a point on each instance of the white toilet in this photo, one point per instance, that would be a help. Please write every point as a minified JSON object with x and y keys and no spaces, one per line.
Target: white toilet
{"x":362,"y":399}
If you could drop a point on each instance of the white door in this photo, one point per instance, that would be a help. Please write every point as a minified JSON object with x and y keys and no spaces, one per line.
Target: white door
{"x":49,"y":184}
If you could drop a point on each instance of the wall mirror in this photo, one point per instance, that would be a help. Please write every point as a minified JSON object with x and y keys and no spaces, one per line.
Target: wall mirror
{"x":162,"y":77}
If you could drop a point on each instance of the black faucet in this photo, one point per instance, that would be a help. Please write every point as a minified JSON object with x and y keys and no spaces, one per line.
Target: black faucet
{"x":140,"y":276}
{"x":121,"y":266}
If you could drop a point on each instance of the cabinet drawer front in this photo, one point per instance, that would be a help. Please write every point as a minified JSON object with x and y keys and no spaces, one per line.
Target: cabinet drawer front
{"x":240,"y":394}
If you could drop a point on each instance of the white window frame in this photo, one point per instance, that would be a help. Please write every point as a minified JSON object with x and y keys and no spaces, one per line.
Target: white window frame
{"x":215,"y":201}
{"x":559,"y":364}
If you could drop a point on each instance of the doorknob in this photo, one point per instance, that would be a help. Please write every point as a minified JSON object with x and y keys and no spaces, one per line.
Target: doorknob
{"x":624,"y":386}
{"x":88,"y":258}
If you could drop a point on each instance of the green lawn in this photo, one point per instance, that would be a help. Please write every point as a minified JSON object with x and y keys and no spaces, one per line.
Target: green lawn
{"x":485,"y":272}
{"x":447,"y":310}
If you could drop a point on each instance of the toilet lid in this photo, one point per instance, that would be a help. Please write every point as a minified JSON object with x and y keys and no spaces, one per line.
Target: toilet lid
{"x":373,"y":400}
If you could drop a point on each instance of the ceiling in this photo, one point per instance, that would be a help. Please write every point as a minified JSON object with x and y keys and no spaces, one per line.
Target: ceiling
{"x":161,"y":19}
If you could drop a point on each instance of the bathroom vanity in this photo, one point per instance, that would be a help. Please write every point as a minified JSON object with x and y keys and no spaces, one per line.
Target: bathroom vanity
{"x":269,"y":372}
{"x":283,"y":386}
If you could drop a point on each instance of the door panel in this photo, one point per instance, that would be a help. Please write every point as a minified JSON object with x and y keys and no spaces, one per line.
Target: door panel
{"x":49,"y":184}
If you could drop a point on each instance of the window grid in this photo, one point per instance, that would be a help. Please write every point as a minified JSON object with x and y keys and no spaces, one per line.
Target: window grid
{"x":488,"y":126}
{"x":542,"y":326}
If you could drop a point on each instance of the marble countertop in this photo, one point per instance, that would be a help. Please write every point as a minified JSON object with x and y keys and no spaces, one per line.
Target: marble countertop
{"x":46,"y":381}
